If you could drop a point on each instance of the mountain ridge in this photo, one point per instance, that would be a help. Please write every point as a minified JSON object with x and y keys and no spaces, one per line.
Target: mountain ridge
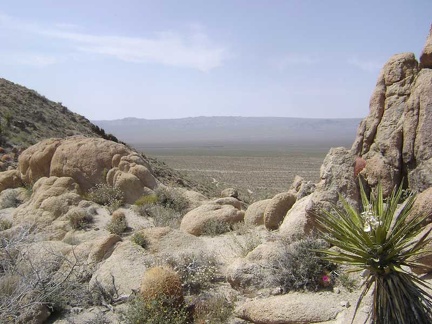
{"x":232,"y":129}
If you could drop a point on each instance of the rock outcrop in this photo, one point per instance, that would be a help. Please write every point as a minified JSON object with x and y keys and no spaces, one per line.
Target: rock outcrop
{"x":394,"y":140}
{"x":426,"y":55}
{"x":89,"y":161}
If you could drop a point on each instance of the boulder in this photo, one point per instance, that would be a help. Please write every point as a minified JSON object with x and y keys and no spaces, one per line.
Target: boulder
{"x":422,"y":206}
{"x":51,"y":198}
{"x":426,"y":55}
{"x":9,"y":180}
{"x":102,"y":248}
{"x":35,"y":162}
{"x":229,"y":192}
{"x":124,"y":268}
{"x":254,"y":214}
{"x":129,"y":184}
{"x":424,"y":261}
{"x":89,"y":162}
{"x":194,"y":198}
{"x":195,"y":221}
{"x":297,"y":182}
{"x":228,"y":201}
{"x":306,"y":188}
{"x":291,"y":308}
{"x":298,"y":222}
{"x":255,"y":271}
{"x":337,"y":178}
{"x":277,"y":209}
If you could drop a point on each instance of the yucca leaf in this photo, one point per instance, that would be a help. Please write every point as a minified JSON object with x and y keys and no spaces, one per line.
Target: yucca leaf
{"x":391,"y":242}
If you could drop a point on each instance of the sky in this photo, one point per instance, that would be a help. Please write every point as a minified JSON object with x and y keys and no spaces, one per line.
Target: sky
{"x":110,"y":59}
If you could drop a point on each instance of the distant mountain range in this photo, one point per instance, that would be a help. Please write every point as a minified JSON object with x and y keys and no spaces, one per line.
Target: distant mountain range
{"x":233,"y":130}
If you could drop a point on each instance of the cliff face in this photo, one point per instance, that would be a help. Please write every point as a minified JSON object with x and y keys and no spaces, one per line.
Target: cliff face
{"x":395,"y":138}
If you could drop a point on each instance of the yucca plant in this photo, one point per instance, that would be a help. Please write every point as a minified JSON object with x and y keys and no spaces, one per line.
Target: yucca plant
{"x":382,"y":240}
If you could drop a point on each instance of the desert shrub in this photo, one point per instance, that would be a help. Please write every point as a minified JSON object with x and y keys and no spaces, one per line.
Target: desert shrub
{"x":144,"y":203}
{"x":300,"y":267}
{"x":118,"y":223}
{"x":157,"y":311}
{"x":79,"y":219}
{"x":106,"y":195}
{"x":215,"y":227}
{"x":345,"y":280}
{"x":9,"y":198}
{"x":140,"y":239}
{"x":381,"y":239}
{"x":146,"y":200}
{"x":23,"y":285}
{"x":163,"y":216}
{"x":171,"y":199}
{"x":244,"y":238}
{"x":5,"y":224}
{"x":212,"y":308}
{"x":197,"y":271}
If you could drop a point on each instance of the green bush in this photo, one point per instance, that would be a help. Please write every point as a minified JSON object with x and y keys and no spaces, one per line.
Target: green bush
{"x":382,"y":240}
{"x":146,"y":200}
{"x":106,"y":195}
{"x":171,"y":199}
{"x":140,"y":239}
{"x":143,"y":205}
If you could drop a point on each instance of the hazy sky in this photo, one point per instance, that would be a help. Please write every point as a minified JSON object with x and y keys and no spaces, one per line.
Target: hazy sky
{"x":109,"y":59}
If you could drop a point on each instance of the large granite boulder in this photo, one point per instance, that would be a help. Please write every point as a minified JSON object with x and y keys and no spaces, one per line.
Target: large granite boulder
{"x":89,"y":161}
{"x":195,"y":221}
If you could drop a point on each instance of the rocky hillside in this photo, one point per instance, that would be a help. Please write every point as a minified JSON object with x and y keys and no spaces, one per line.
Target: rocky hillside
{"x":26,"y":117}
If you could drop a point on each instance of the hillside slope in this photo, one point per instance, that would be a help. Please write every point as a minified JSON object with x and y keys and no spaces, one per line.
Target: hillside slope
{"x":27,"y":117}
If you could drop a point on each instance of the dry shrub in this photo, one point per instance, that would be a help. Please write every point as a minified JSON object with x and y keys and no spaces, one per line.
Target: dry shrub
{"x":105,"y":195}
{"x":197,"y":271}
{"x":79,"y":218}
{"x":157,"y":311}
{"x":5,"y":224}
{"x":164,"y":216}
{"x":212,"y":308}
{"x":172,"y":199}
{"x":215,"y":227}
{"x":118,"y":223}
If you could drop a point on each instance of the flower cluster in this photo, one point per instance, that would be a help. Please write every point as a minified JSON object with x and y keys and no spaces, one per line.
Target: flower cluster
{"x":371,"y":221}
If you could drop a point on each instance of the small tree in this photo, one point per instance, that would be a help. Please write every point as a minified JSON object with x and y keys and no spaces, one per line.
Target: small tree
{"x":381,"y":240}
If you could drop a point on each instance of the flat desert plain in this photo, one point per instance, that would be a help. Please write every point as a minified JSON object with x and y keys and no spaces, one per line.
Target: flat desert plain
{"x":260,"y":170}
